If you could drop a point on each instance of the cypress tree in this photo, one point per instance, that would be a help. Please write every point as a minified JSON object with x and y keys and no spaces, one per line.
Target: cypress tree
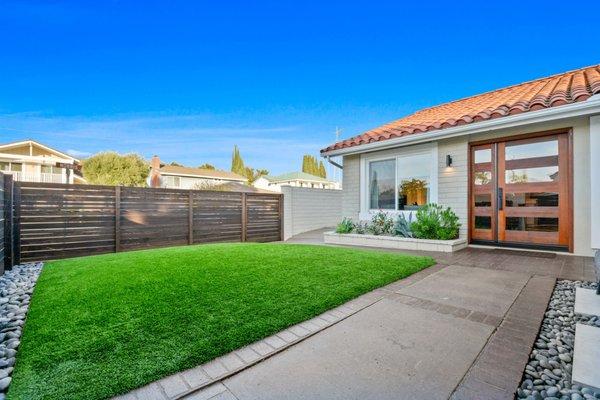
{"x":237,"y":164}
{"x":322,"y":171}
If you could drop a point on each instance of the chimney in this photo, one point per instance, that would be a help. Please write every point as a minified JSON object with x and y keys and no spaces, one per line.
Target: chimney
{"x":155,"y":172}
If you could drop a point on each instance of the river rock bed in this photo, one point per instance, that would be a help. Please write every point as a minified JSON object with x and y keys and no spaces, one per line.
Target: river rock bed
{"x":548,"y":373}
{"x":16,"y":287}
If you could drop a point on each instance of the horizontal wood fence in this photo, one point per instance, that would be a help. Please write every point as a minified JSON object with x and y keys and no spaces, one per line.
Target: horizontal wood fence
{"x":54,"y":221}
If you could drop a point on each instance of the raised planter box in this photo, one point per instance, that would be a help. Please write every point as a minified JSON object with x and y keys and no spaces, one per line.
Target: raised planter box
{"x":394,"y":242}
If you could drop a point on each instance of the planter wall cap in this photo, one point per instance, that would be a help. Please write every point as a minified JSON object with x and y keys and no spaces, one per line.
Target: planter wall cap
{"x":395,"y":242}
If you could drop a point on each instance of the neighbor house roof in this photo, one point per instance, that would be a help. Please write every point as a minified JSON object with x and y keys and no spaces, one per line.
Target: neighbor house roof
{"x":295,"y":176}
{"x":201,"y":173}
{"x":7,"y":146}
{"x":553,"y":91}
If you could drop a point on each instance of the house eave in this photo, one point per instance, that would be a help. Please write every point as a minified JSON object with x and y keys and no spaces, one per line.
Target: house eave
{"x":589,"y":107}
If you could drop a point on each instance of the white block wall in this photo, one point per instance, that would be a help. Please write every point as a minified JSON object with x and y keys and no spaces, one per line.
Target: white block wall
{"x":307,"y":209}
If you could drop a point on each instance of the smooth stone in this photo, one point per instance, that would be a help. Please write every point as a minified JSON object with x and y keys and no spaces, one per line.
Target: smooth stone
{"x":552,"y":391}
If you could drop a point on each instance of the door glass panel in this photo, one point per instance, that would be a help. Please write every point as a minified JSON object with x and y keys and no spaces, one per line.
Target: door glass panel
{"x":482,"y":177}
{"x":483,"y":156}
{"x":382,"y":183}
{"x":528,"y":175}
{"x":537,"y":224}
{"x":531,"y":150}
{"x":531,"y":199}
{"x":483,"y":200}
{"x":483,"y":222}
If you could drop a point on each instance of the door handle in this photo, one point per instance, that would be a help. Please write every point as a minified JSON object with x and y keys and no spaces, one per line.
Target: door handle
{"x":500,"y":198}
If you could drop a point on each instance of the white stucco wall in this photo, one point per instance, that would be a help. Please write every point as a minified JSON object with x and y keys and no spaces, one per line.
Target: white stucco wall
{"x":453,"y":182}
{"x":306,"y":209}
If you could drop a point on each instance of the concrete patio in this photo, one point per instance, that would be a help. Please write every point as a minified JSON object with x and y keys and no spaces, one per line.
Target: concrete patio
{"x":462,"y":329}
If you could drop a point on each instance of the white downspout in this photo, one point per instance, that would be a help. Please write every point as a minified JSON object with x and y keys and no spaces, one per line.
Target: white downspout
{"x":595,"y":190}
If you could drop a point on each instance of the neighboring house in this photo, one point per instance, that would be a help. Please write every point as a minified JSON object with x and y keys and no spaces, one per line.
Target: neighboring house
{"x":520,"y":166}
{"x":173,"y":176}
{"x":30,"y":161}
{"x":297,"y":179}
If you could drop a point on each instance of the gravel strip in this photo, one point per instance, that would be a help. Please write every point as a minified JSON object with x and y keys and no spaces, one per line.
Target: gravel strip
{"x":16,"y":287}
{"x":548,"y":373}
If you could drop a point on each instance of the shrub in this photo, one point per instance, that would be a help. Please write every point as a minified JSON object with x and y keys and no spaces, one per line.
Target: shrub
{"x":402,"y":227}
{"x":346,"y":226}
{"x":435,"y":222}
{"x":381,"y":224}
{"x":360,"y":228}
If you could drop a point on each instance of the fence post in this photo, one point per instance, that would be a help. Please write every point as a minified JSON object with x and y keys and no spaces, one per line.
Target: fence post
{"x":281,"y":217}
{"x":16,"y":227}
{"x":117,"y":219}
{"x":244,"y":216}
{"x":191,"y":218}
{"x":8,"y":222}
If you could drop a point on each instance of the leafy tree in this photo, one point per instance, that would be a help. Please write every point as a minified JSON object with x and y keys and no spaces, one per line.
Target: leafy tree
{"x":176,"y":164}
{"x":238,"y":166}
{"x":207,"y":166}
{"x":111,"y":168}
{"x":253,"y":174}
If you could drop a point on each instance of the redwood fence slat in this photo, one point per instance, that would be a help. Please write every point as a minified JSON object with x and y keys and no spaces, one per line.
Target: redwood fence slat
{"x":54,"y":221}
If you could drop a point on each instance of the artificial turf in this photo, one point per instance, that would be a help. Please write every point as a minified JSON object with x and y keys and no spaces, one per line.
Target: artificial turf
{"x":102,"y":325}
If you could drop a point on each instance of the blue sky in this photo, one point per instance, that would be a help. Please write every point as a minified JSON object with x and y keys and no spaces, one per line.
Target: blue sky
{"x":188,"y":80}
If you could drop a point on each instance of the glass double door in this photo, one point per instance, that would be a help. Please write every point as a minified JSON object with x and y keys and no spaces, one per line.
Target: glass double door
{"x":520,"y":192}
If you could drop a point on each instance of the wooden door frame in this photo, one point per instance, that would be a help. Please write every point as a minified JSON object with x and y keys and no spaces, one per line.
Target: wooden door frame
{"x":532,"y":135}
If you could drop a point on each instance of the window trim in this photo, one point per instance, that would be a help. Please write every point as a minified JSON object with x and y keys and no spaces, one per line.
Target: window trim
{"x":430,"y":149}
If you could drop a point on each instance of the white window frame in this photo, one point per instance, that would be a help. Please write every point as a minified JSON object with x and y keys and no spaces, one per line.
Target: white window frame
{"x":430,"y":149}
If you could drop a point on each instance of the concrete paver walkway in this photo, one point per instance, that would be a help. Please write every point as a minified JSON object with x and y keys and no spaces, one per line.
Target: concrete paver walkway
{"x":415,"y":343}
{"x":461,"y":329}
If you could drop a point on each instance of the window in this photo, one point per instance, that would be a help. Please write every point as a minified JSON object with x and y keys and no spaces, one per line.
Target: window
{"x":10,"y":166}
{"x":401,"y":183}
{"x":382,"y":184}
{"x":172,"y":181}
{"x":18,"y":167}
{"x":413,"y":181}
{"x":51,"y":169}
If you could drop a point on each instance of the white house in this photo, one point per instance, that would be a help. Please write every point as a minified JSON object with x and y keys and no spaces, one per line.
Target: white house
{"x":180,"y":177}
{"x":31,"y":161}
{"x":520,"y":166}
{"x":296,"y":179}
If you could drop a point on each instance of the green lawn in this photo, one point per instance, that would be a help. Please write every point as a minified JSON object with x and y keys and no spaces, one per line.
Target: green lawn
{"x":103,"y":325}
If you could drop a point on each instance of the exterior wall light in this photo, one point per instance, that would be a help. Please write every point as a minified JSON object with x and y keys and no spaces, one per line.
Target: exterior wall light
{"x":448,"y":160}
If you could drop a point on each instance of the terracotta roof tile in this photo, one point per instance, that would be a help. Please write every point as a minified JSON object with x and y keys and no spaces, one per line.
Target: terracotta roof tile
{"x":557,"y":90}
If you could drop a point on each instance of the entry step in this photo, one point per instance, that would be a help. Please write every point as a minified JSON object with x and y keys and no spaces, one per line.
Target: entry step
{"x":586,"y":356}
{"x":587,"y":302}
